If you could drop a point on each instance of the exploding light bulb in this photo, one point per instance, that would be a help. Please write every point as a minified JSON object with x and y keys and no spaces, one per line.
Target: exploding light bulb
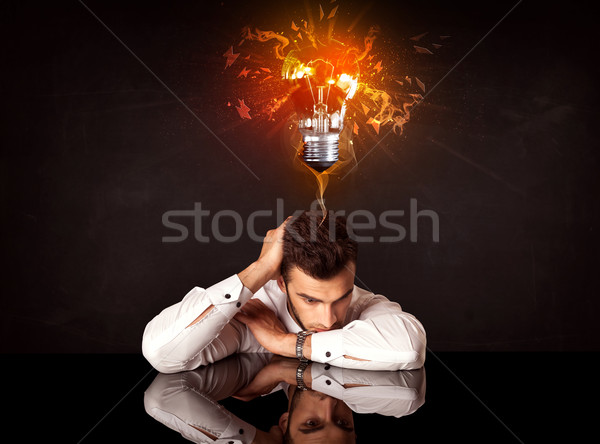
{"x":324,"y":78}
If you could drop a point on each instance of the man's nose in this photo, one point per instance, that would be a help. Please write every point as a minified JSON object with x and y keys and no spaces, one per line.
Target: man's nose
{"x":328,"y":317}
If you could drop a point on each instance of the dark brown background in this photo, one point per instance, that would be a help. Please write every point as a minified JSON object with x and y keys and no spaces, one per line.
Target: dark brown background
{"x":95,"y":150}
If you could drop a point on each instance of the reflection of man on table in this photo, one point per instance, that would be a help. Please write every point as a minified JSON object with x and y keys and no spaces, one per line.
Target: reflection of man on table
{"x":297,"y":300}
{"x":320,"y":407}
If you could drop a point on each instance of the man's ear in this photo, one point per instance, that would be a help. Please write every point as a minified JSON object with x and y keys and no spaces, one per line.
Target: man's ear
{"x":281,"y":283}
{"x":283,"y":422}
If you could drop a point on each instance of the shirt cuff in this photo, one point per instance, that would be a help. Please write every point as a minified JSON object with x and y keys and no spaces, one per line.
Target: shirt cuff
{"x":327,"y":346}
{"x":229,"y":295}
{"x":327,"y":379}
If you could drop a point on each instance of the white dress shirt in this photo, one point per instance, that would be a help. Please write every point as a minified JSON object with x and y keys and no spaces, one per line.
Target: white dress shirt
{"x":188,"y":402}
{"x":375,"y":330}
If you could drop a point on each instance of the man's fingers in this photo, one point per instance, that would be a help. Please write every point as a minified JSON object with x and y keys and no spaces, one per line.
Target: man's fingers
{"x":257,"y":302}
{"x":243,"y":318}
{"x":285,"y":222}
{"x":253,"y":306}
{"x":276,"y":234}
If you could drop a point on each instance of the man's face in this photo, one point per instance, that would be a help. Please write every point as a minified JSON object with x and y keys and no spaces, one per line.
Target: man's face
{"x":316,"y":417}
{"x":319,"y":305}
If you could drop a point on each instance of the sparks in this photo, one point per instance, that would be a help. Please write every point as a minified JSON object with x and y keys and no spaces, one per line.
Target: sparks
{"x":231,"y":57}
{"x":243,"y":110}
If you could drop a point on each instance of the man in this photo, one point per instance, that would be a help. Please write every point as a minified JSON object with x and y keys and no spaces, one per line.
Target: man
{"x":297,"y":300}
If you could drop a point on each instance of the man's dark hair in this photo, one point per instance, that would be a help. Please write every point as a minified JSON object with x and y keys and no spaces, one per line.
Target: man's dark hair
{"x":319,"y":247}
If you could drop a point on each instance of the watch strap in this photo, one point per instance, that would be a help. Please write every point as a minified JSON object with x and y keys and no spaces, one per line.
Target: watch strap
{"x":300,"y":375}
{"x":300,"y":344}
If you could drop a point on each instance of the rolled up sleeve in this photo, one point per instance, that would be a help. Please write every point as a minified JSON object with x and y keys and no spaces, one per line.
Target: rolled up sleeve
{"x":171,"y":344}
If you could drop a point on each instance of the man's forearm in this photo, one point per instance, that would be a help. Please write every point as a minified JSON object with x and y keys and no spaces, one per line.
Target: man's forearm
{"x":170,"y":344}
{"x":287,"y":346}
{"x":255,"y":276}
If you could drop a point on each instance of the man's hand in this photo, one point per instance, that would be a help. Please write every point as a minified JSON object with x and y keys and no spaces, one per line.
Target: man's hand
{"x":280,"y":369}
{"x":268,"y":264}
{"x":267,"y":328}
{"x":271,"y":253}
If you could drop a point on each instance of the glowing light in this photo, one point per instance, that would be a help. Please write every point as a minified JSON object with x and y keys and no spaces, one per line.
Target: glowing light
{"x":321,"y":75}
{"x":329,"y":77}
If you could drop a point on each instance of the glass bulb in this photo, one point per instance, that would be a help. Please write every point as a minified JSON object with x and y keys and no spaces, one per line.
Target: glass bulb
{"x":323,"y":79}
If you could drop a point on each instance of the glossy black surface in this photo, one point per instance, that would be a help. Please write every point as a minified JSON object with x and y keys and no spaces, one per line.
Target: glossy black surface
{"x":470,"y":397}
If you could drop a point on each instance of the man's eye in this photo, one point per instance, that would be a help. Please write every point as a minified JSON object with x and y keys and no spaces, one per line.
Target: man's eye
{"x":310,"y":301}
{"x":311,"y":423}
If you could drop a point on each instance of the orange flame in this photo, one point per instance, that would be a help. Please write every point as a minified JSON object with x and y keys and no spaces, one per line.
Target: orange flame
{"x":369,"y":110}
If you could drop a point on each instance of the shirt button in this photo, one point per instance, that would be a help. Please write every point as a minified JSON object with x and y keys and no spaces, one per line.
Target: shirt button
{"x":328,"y":382}
{"x":328,"y":354}
{"x":227,"y":296}
{"x":241,"y":432}
{"x":327,"y":367}
{"x":238,"y":305}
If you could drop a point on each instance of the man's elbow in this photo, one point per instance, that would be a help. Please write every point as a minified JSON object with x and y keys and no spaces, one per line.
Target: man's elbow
{"x":158,"y":357}
{"x":408,"y":360}
{"x":417,"y":362}
{"x":419,"y":342}
{"x":155,"y":358}
{"x":417,"y":349}
{"x":420,"y":348}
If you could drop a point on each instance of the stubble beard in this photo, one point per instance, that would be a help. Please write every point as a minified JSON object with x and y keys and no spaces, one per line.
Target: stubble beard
{"x":293,"y":309}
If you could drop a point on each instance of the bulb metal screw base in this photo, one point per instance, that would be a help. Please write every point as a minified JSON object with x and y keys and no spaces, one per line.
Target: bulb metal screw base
{"x":320,"y":150}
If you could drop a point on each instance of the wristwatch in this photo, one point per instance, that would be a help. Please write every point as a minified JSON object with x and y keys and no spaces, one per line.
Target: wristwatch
{"x":300,"y":344}
{"x":300,"y":375}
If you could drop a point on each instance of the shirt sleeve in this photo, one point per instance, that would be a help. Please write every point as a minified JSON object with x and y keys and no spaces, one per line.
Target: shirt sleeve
{"x":171,"y":346}
{"x":383,"y":337}
{"x":397,"y":394}
{"x":188,"y":402}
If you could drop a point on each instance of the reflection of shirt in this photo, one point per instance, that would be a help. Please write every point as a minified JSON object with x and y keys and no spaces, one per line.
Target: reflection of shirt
{"x":397,"y":393}
{"x":187,"y":401}
{"x":375,"y":329}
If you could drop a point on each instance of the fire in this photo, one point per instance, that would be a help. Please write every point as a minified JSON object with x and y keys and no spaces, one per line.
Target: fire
{"x":327,"y":87}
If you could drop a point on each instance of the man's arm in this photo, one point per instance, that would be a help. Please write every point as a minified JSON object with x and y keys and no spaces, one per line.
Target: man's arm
{"x":382,"y":338}
{"x":388,"y":393}
{"x":188,"y":402}
{"x":174,"y":341}
{"x":253,"y":278}
{"x":200,"y":329}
